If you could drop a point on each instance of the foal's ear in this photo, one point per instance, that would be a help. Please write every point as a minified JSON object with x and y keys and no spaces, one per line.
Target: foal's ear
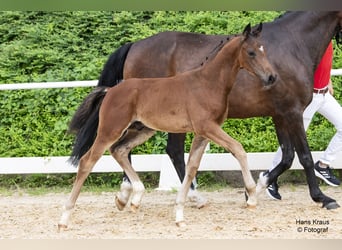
{"x":257,"y":30}
{"x":247,"y":31}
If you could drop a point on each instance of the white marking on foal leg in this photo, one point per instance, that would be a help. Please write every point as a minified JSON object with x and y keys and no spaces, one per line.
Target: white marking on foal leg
{"x":138,"y":191}
{"x":180,"y":201}
{"x":63,"y":223}
{"x":122,"y":197}
{"x":180,"y":215}
{"x":195,"y":196}
{"x":262,"y":183}
{"x":252,"y":200}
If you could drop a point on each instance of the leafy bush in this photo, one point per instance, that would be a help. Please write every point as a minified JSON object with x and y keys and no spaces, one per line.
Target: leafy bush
{"x":65,"y":46}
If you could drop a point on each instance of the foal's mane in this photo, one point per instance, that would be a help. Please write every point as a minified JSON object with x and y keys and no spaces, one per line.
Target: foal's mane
{"x":218,"y":47}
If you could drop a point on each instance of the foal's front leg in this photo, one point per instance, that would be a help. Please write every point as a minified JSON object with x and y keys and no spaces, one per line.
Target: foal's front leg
{"x":215,"y":133}
{"x":197,"y":149}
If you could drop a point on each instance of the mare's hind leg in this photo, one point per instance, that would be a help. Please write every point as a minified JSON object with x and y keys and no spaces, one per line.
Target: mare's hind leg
{"x":197,"y":149}
{"x":220,"y":137}
{"x":120,"y":152}
{"x":175,"y":150}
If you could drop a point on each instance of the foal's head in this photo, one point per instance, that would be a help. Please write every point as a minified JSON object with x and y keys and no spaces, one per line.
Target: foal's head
{"x":253,"y":58}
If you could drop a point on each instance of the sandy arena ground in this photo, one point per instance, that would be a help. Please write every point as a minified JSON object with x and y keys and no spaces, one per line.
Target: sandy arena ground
{"x":225,"y":217}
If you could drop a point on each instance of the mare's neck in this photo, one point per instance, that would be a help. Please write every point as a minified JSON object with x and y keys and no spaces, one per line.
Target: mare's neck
{"x":311,"y":31}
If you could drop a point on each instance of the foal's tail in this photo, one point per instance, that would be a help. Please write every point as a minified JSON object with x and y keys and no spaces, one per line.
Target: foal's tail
{"x":111,"y":75}
{"x":85,"y":120}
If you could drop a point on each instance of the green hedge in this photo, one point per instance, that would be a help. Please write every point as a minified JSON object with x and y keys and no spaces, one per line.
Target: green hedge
{"x":66,"y":46}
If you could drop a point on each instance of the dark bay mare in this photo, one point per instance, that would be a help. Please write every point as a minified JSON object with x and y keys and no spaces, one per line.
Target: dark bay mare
{"x":295,"y":43}
{"x":194,"y":101}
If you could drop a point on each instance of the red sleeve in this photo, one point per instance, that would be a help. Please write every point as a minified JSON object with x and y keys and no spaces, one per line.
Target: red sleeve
{"x":322,"y":73}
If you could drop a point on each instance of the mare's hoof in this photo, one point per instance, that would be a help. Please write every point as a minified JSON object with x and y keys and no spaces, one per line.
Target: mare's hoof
{"x":331,"y":205}
{"x":61,"y":227}
{"x":180,"y":224}
{"x":119,"y":204}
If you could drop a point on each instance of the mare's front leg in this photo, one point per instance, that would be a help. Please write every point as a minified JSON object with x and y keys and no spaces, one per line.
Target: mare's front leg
{"x":296,"y":133}
{"x":120,"y":152}
{"x":305,"y":158}
{"x":197,"y":149}
{"x":175,"y":150}
{"x":287,"y":156}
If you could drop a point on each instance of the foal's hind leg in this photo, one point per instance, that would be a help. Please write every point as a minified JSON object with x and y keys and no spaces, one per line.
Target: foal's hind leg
{"x":126,"y":185}
{"x":120,"y":152}
{"x":197,"y":149}
{"x":219,"y":136}
{"x":87,"y":163}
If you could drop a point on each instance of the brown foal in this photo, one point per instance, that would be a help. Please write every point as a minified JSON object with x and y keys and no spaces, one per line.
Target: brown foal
{"x":195,"y":101}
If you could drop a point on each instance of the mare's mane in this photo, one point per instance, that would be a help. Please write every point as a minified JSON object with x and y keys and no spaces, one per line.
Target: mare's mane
{"x":338,"y":29}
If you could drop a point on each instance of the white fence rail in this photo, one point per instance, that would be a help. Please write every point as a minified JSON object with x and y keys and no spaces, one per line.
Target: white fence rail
{"x":142,"y":163}
{"x":73,"y":84}
{"x":145,"y":163}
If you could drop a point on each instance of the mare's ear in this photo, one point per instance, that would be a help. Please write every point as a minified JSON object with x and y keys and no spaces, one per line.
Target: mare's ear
{"x":257,"y":30}
{"x":246,"y":31}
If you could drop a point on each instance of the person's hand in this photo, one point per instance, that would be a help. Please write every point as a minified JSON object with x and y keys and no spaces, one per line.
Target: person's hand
{"x":330,"y":87}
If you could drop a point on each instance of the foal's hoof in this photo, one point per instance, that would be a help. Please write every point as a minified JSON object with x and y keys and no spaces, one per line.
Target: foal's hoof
{"x":331,"y":205}
{"x":119,"y":204}
{"x":251,"y":206}
{"x":195,"y":197}
{"x":181,"y":224}
{"x":61,"y":227}
{"x":134,"y":208}
{"x":251,"y":202}
{"x":201,"y":205}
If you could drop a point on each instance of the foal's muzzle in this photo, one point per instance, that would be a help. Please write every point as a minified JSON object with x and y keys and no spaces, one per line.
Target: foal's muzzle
{"x":269,"y":81}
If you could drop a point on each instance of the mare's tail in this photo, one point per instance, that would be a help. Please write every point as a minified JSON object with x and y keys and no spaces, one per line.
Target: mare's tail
{"x":85,"y":120}
{"x":112,"y":72}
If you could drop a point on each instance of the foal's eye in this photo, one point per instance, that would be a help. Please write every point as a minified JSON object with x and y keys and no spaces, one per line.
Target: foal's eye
{"x":251,"y":54}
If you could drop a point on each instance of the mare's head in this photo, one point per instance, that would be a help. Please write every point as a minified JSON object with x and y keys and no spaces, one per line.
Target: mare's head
{"x":253,"y":58}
